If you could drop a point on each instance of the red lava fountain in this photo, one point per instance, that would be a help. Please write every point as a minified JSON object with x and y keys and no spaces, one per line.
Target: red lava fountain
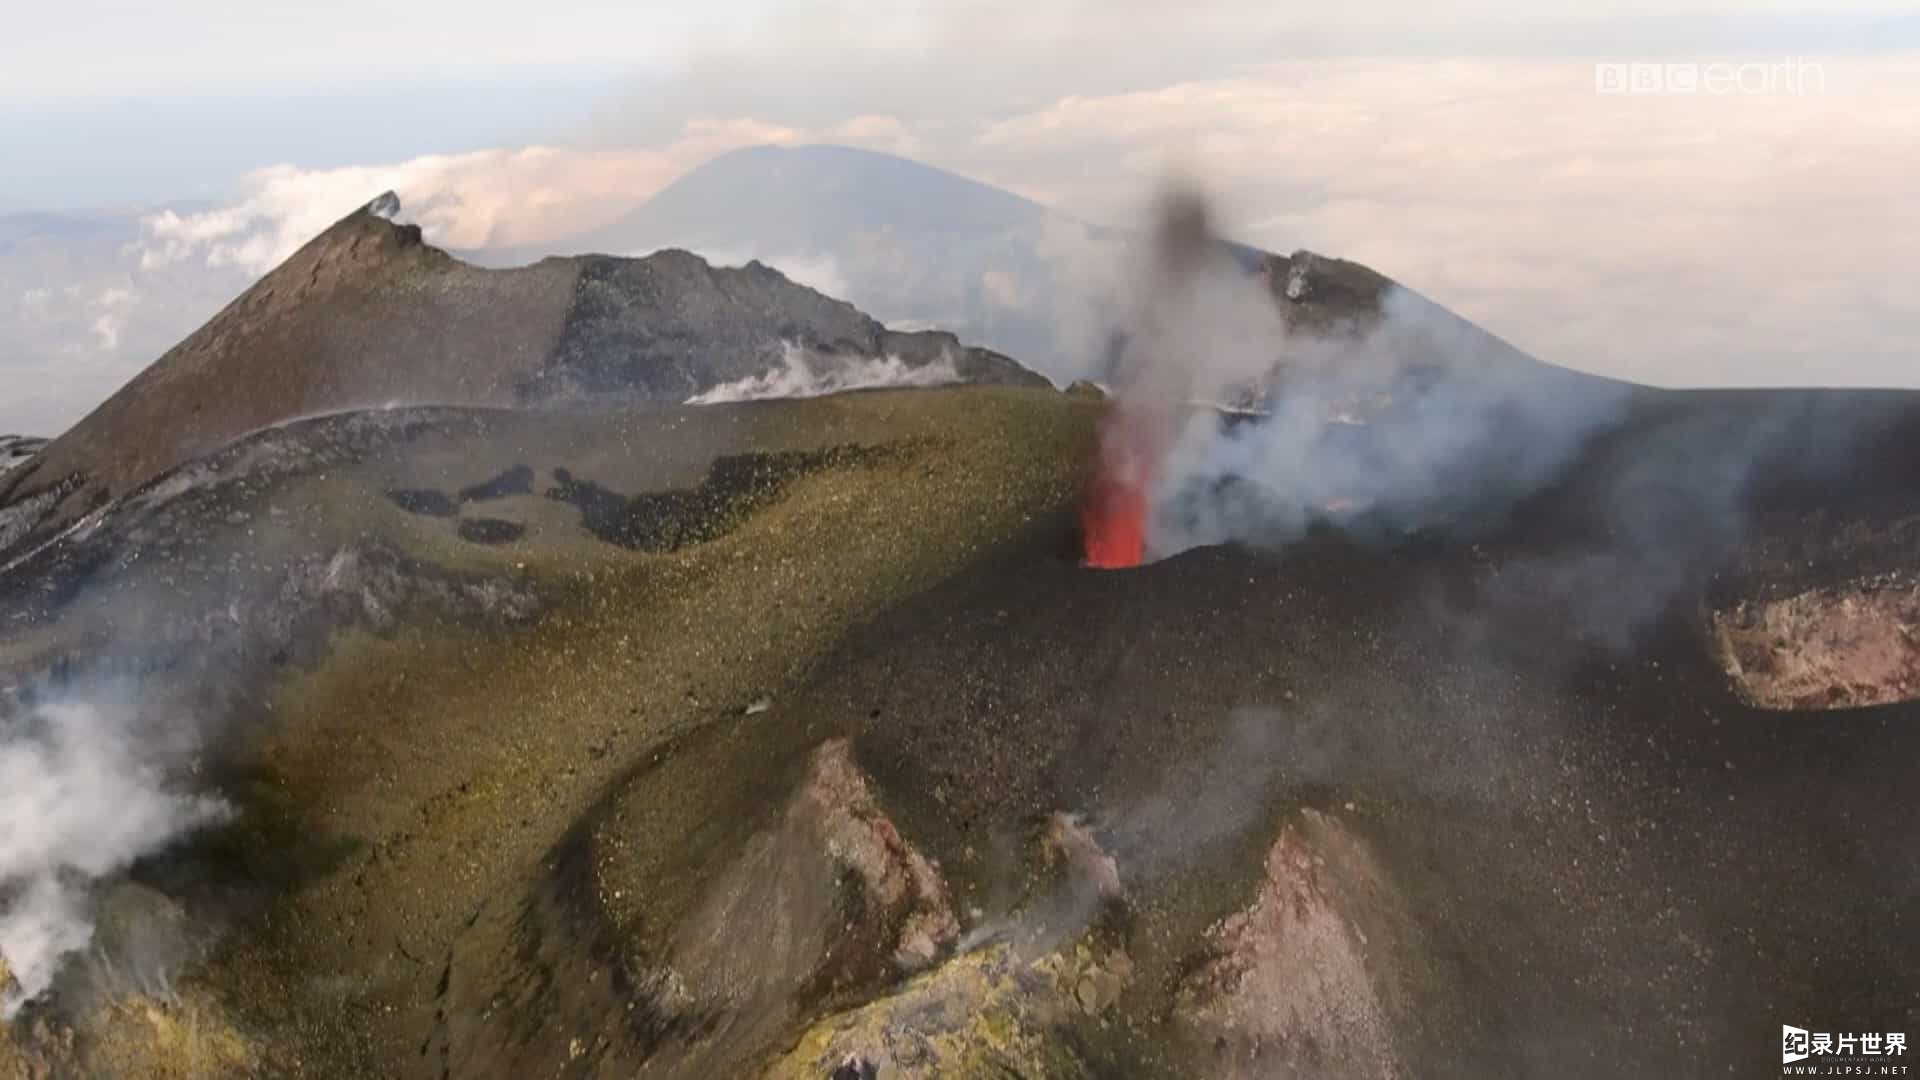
{"x":1152,"y":377}
{"x":1113,"y":521}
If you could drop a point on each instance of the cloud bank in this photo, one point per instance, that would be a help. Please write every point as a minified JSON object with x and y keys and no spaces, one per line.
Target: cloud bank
{"x":1759,"y":239}
{"x":485,"y":199}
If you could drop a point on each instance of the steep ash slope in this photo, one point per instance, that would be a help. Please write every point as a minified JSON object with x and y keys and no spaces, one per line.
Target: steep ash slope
{"x":1346,"y":809}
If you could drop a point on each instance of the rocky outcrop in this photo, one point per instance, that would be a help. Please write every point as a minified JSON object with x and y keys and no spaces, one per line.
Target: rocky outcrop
{"x":1011,"y":1003}
{"x":1292,"y":986}
{"x":181,"y":1037}
{"x":1832,"y":647}
{"x":669,"y":326}
{"x":778,"y":921}
{"x":990,"y":1012}
{"x":1320,"y":293}
{"x":17,"y":450}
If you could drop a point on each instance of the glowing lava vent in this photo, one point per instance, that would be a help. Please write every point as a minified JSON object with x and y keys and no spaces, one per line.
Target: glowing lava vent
{"x":1113,"y":521}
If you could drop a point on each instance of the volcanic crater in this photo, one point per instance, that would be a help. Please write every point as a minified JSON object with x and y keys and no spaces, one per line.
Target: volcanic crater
{"x":782,"y":740}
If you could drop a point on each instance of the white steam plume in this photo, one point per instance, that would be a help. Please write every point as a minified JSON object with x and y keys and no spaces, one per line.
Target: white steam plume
{"x":83,"y":794}
{"x":1409,"y":424}
{"x":1392,"y":416}
{"x":802,"y":374}
{"x":1387,"y":416}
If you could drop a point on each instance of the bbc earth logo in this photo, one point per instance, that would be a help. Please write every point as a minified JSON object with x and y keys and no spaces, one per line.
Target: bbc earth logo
{"x":1826,"y":1053}
{"x":1752,"y":78}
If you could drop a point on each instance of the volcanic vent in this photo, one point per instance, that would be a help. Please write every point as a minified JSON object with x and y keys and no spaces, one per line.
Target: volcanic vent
{"x":1113,"y":518}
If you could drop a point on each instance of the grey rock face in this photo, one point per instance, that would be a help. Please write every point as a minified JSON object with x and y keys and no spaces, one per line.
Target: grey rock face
{"x":17,"y":450}
{"x":669,"y":326}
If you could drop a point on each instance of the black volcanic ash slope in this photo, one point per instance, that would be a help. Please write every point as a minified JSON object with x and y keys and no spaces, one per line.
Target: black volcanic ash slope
{"x":1340,"y":810}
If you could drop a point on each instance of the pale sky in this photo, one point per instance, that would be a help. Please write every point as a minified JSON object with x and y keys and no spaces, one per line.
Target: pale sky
{"x":1457,"y":145}
{"x":130,"y":101}
{"x":104,"y":48}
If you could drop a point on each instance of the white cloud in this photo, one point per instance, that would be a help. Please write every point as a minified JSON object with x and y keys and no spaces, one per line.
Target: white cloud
{"x":1679,"y":240}
{"x":502,"y":198}
{"x":1672,"y":239}
{"x":487,"y":198}
{"x":876,"y":131}
{"x":114,"y":305}
{"x":1002,"y":288}
{"x":106,"y":329}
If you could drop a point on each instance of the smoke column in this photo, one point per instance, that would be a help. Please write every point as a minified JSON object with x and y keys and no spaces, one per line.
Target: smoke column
{"x":1198,"y":324}
{"x":1380,"y":412}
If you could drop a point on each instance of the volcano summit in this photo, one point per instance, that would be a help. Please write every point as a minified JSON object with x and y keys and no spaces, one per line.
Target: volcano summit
{"x":413,"y":683}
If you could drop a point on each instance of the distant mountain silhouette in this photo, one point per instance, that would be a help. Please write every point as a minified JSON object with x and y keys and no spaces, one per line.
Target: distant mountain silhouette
{"x":912,"y":244}
{"x":811,"y":197}
{"x":919,"y":246}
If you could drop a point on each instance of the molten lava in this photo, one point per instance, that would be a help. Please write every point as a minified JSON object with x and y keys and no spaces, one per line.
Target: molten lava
{"x":1113,"y":521}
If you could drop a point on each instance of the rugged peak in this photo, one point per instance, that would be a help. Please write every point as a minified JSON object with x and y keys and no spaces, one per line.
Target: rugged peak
{"x":384,"y":205}
{"x":1324,"y":286}
{"x":367,"y":314}
{"x":361,"y":242}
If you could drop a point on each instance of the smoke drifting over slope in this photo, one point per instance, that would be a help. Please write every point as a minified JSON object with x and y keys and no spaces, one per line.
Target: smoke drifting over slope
{"x":84,"y":792}
{"x":1356,"y":404}
{"x":1403,"y":426}
{"x":1393,"y":418}
{"x":798,"y":376}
